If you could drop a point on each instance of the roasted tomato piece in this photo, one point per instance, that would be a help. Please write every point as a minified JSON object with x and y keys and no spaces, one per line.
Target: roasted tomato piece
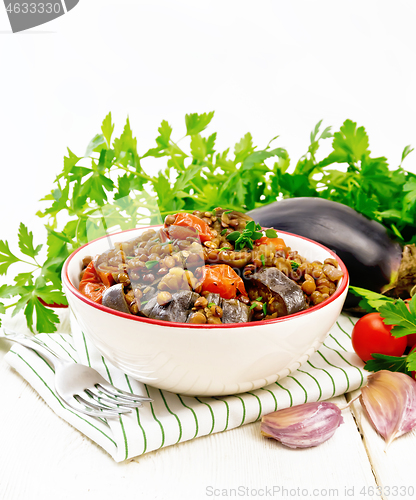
{"x":278,"y":243}
{"x":106,"y":277}
{"x":91,"y":284}
{"x":181,"y":232}
{"x":188,"y":220}
{"x":224,"y":280}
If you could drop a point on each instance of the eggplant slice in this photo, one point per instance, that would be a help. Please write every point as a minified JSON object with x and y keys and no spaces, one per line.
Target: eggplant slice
{"x":214,"y":298}
{"x":281,"y":293}
{"x":234,"y":311}
{"x":114,"y":297}
{"x":177,"y":310}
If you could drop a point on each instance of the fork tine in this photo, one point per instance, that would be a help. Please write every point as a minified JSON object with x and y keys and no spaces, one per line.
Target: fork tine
{"x":112,"y":402}
{"x":75,"y":405}
{"x":111,"y":390}
{"x":88,"y":403}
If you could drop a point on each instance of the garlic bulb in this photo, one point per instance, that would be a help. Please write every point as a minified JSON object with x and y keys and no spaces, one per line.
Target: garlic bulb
{"x":302,"y":426}
{"x":389,"y":400}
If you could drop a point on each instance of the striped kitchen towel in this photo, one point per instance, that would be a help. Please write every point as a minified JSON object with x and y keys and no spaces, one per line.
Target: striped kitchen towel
{"x":172,"y":418}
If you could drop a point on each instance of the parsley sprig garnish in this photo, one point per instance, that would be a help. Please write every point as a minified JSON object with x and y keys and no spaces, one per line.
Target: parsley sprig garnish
{"x":247,"y":237}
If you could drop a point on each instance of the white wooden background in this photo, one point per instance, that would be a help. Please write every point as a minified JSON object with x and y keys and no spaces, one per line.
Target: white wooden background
{"x":43,"y":457}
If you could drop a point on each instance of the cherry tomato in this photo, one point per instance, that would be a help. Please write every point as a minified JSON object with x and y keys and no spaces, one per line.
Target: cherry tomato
{"x":411,"y":339}
{"x":189,"y":220}
{"x":224,"y":280}
{"x":91,"y":284}
{"x":370,"y":335}
{"x":278,"y":243}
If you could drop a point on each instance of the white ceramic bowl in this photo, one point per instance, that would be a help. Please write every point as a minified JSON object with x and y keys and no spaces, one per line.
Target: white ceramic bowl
{"x":204,"y":360}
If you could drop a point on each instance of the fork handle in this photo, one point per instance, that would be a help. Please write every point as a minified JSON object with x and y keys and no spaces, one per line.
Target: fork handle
{"x":44,"y":351}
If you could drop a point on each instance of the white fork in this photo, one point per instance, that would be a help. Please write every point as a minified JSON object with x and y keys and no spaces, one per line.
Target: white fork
{"x":81,"y":387}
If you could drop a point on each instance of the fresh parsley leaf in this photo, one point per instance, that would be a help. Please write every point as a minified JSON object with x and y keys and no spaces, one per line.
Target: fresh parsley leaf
{"x":26,"y":242}
{"x":271,"y":233}
{"x":70,"y":162}
{"x":50,"y":295}
{"x":234,"y":236}
{"x":7,"y":291}
{"x":123,"y":187}
{"x":411,"y":361}
{"x":94,"y":187}
{"x":125,"y":149}
{"x":223,"y":232}
{"x":406,"y":151}
{"x":23,"y":279}
{"x":263,"y":261}
{"x":211,"y":304}
{"x":350,"y":145}
{"x":246,"y":237}
{"x":198,"y":147}
{"x":372,"y":301}
{"x":397,"y":314}
{"x":28,"y":311}
{"x":384,"y":362}
{"x":96,"y":144}
{"x":250,"y":226}
{"x":107,"y":128}
{"x":265,"y":309}
{"x":294,"y":265}
{"x":165,"y":132}
{"x":46,"y":319}
{"x":6,"y":257}
{"x":195,"y":123}
{"x":252,"y":306}
{"x":256,"y":235}
{"x":243,"y":148}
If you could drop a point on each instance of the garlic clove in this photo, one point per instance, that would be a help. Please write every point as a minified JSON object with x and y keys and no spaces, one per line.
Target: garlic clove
{"x":302,"y":426}
{"x":389,"y":400}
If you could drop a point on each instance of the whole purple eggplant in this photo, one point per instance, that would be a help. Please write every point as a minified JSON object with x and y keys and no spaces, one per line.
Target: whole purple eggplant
{"x":371,"y":257}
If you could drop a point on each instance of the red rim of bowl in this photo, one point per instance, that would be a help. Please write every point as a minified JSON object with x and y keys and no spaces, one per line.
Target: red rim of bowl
{"x":171,"y":324}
